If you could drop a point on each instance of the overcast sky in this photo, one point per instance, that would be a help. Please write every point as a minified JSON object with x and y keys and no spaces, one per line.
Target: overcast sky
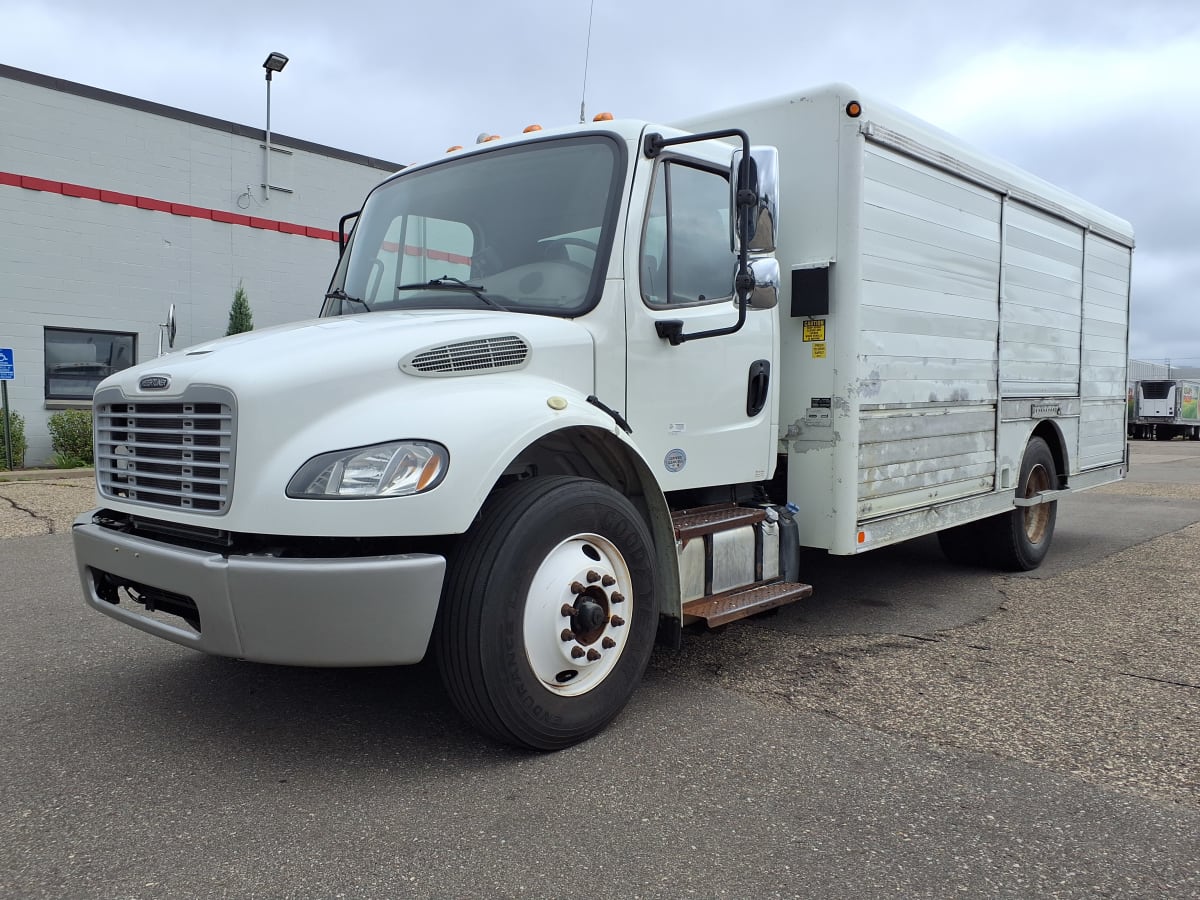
{"x":1100,"y":96}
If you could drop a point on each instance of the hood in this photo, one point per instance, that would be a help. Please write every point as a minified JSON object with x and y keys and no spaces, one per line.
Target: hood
{"x":371,"y":349}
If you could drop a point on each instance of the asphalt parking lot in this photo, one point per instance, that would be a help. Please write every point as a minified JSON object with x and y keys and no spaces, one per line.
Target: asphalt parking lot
{"x":916,"y":729}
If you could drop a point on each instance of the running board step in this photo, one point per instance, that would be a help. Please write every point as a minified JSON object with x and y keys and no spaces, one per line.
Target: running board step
{"x":721,"y":609}
{"x":702,"y":520}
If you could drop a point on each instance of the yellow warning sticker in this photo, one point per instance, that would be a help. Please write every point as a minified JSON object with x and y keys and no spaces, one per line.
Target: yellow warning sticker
{"x":814,"y":330}
{"x":818,"y":351}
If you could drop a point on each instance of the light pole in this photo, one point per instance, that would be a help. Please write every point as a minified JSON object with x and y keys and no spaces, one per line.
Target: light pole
{"x":274,"y":63}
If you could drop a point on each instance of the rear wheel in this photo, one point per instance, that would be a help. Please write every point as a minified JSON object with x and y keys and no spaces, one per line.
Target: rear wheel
{"x":549,"y":613}
{"x":1019,"y":540}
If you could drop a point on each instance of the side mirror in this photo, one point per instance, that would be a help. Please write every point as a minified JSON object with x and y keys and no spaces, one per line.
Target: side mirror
{"x":167,"y":328}
{"x":761,"y":190}
{"x":765,"y":293}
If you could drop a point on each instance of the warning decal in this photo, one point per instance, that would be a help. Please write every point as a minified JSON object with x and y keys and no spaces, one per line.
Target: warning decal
{"x":814,"y":330}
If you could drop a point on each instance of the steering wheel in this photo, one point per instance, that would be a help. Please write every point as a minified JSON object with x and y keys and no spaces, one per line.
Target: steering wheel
{"x":571,"y":242}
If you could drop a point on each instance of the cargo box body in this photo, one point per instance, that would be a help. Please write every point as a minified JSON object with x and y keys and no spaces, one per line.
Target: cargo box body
{"x":939,"y":308}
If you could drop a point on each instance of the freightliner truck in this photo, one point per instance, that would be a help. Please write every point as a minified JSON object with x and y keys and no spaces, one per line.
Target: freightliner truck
{"x":572,"y":391}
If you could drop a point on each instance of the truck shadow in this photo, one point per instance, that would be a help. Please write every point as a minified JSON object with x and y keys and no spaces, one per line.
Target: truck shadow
{"x":312,"y":717}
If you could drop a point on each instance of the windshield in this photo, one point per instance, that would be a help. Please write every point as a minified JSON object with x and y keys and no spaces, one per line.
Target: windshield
{"x":525,"y":228}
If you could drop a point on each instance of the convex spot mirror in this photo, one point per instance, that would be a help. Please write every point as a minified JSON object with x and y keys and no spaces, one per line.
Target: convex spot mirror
{"x":765,"y":293}
{"x":763,"y":183}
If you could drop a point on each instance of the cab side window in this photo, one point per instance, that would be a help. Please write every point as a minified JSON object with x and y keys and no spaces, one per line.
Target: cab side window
{"x":686,"y":256}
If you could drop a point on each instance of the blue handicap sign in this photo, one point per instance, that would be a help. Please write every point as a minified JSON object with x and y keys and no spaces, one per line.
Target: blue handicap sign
{"x":7,"y":365}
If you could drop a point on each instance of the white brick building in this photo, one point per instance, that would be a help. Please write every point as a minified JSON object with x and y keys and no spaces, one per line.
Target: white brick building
{"x":113,"y":208}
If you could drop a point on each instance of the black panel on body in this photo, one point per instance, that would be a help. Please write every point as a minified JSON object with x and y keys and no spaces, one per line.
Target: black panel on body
{"x":810,"y":292}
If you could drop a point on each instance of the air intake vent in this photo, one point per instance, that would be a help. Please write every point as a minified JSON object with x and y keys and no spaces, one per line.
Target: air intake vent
{"x":469,"y":357}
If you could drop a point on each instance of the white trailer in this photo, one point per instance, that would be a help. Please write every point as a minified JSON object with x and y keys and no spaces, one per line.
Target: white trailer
{"x":548,"y":413}
{"x":1164,"y":409}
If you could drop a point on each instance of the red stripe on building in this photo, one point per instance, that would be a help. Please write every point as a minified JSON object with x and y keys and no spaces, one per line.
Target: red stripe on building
{"x":30,"y":183}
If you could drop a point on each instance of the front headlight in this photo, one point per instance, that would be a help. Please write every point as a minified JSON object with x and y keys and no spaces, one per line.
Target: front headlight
{"x":394,"y":469}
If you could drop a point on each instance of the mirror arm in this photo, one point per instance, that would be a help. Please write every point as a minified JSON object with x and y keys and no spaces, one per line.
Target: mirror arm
{"x":342,"y":229}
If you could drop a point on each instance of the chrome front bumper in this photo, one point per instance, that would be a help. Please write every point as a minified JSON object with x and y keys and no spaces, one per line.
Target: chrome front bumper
{"x":363,"y":611}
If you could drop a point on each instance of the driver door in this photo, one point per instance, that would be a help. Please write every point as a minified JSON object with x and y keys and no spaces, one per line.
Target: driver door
{"x":704,"y":412}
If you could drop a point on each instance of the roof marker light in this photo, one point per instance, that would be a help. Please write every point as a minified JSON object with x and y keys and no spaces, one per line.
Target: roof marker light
{"x":530,"y":128}
{"x":453,"y":149}
{"x":602,"y":117}
{"x":854,"y":109}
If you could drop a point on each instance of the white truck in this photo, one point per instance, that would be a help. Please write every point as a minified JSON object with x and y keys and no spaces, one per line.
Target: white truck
{"x":1163,"y":409}
{"x":573,"y":390}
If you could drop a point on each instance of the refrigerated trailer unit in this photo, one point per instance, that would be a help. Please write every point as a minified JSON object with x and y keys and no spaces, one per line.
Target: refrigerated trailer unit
{"x":1164,"y":409}
{"x":573,"y":390}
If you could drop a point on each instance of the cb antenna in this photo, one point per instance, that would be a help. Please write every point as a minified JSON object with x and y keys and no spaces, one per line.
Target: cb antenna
{"x":586,"y":55}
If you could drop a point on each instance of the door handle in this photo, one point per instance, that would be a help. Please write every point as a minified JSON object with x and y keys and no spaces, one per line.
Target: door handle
{"x":758,"y":387}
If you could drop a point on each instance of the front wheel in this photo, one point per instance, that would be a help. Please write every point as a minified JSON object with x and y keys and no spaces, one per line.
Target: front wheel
{"x":549,"y":612}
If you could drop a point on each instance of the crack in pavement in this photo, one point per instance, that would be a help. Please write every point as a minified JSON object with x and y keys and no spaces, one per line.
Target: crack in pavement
{"x":33,"y":514}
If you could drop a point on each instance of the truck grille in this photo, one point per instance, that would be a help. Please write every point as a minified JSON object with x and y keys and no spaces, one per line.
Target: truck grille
{"x":172,"y":454}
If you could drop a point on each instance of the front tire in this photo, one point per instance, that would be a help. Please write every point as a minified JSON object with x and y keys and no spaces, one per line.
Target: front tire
{"x":549,"y":612}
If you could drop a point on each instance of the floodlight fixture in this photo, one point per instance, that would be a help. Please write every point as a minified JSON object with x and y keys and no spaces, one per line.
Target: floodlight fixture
{"x":274,"y":62}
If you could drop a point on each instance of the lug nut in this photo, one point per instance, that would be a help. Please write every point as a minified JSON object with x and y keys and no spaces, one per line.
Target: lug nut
{"x":567,"y":635}
{"x":593,"y":655}
{"x":593,"y":577}
{"x":608,"y":581}
{"x":567,"y":610}
{"x":608,"y":643}
{"x":618,"y":597}
{"x":577,"y":588}
{"x":576,"y":652}
{"x":616,"y":621}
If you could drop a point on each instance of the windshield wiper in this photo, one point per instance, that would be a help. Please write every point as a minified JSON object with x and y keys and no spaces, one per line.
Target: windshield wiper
{"x":450,"y":283}
{"x":339,"y":294}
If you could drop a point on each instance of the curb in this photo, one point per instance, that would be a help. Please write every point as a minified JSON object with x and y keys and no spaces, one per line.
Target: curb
{"x":44,"y":474}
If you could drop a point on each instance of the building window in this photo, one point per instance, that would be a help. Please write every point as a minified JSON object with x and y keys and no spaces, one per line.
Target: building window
{"x":78,"y":360}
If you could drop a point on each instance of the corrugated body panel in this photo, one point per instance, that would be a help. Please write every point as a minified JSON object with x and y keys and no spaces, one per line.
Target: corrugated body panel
{"x":903,"y":261}
{"x":908,"y":457}
{"x":930,"y":314}
{"x":898,"y":425}
{"x":1101,"y":432}
{"x":1104,"y":353}
{"x":894,"y":296}
{"x":1043,"y":290}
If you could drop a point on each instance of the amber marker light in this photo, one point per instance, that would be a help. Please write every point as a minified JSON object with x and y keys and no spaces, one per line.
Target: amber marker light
{"x":454,"y":149}
{"x":862,"y":537}
{"x":491,"y":137}
{"x":602,"y":117}
{"x":854,"y":109}
{"x":531,"y":128}
{"x":431,"y":470}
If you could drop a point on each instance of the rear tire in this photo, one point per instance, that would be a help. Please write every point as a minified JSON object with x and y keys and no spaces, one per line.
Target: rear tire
{"x":1018,"y":541}
{"x":515,"y":663}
